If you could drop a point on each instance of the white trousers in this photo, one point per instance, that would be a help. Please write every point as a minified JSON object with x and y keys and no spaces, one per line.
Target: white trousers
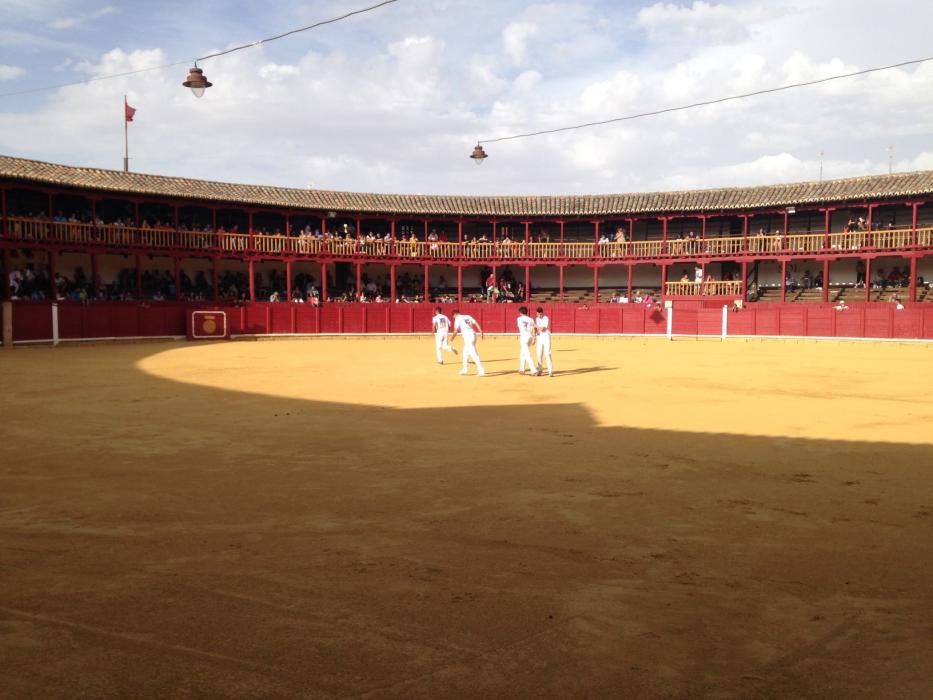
{"x":441,"y":342}
{"x":525,"y":357}
{"x":469,"y":353}
{"x":544,"y":349}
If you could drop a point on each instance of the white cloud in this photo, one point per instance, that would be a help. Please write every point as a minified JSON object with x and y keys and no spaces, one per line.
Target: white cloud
{"x":515,"y":40}
{"x":708,"y":22}
{"x":10,"y":72}
{"x":70,"y":22}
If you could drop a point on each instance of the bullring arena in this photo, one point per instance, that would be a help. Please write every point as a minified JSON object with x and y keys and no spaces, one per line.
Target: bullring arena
{"x":318,"y":509}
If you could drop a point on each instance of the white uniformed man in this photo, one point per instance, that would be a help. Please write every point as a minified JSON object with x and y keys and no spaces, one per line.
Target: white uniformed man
{"x":543,"y":328}
{"x":526,"y":335}
{"x":441,"y":325}
{"x":468,"y":327}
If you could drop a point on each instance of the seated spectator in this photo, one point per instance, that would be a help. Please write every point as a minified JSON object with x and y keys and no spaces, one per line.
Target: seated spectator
{"x":841,"y":305}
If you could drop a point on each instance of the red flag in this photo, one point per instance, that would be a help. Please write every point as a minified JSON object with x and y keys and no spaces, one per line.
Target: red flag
{"x":130,"y":111}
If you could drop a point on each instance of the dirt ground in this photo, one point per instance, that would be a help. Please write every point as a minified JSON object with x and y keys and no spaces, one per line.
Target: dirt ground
{"x":344,"y":518}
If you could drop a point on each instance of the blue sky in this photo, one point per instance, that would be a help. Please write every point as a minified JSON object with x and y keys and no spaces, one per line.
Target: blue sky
{"x":394,"y":100}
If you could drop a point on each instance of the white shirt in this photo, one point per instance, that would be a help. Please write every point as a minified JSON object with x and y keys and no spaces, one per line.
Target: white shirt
{"x":440,"y":323}
{"x":463,"y":324}
{"x":543,"y":324}
{"x":526,"y":327}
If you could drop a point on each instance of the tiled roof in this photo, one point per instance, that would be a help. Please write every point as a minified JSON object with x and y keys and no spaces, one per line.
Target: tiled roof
{"x":854,"y":190}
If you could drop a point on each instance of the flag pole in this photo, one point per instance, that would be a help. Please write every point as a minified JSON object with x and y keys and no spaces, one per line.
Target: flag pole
{"x":126,"y":139}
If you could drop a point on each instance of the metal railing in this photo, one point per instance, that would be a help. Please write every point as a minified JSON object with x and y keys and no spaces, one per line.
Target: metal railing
{"x":43,"y":230}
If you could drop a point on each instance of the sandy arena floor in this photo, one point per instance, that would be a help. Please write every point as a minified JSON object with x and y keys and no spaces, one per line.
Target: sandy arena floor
{"x":342,"y":518}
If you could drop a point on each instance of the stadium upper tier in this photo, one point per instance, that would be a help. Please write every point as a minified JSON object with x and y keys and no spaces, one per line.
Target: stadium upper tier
{"x":857,"y":192}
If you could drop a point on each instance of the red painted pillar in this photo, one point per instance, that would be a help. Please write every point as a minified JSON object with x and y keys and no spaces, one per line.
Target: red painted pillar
{"x":596,"y":238}
{"x":630,"y":273}
{"x":868,"y":279}
{"x":139,"y":277}
{"x":94,"y":281}
{"x":828,"y":218}
{"x":912,"y":284}
{"x":176,"y":262}
{"x":392,"y":251}
{"x":560,"y":268}
{"x":745,"y":218}
{"x":252,"y":279}
{"x":561,"y":237}
{"x":664,"y":221}
{"x":53,"y":264}
{"x":215,"y":278}
{"x":251,"y":242}
{"x":703,"y":227}
{"x":913,"y":224}
{"x":427,"y":284}
{"x":786,"y":229}
{"x":359,"y":279}
{"x":459,"y":285}
{"x":825,"y":281}
{"x":5,"y":292}
{"x":288,"y":280}
{"x":527,"y":278}
{"x":595,"y":284}
{"x":392,"y":278}
{"x":871,"y":215}
{"x":663,"y":279}
{"x":323,"y":283}
{"x":460,"y":232}
{"x":783,"y":281}
{"x":745,"y":280}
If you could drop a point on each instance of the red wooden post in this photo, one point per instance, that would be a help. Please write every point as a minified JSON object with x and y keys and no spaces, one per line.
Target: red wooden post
{"x":139,"y":277}
{"x":392,"y":277}
{"x":703,"y":226}
{"x":494,"y":223}
{"x":786,"y":229}
{"x":136,"y":217}
{"x":744,"y":280}
{"x":459,"y":284}
{"x":527,"y":278}
{"x":425,"y":235}
{"x":5,"y":292}
{"x":745,"y":218}
{"x":323,"y":283}
{"x":913,"y":224}
{"x":630,"y":272}
{"x":783,"y":281}
{"x":359,"y":280}
{"x":251,"y":243}
{"x":828,"y":218}
{"x":175,"y":214}
{"x":176,"y":261}
{"x":427,"y":288}
{"x":252,"y":279}
{"x":664,"y":220}
{"x":288,"y":280}
{"x":596,"y":238}
{"x":663,"y":279}
{"x":561,"y":237}
{"x":94,"y":285}
{"x":595,"y":284}
{"x":215,"y":276}
{"x":825,"y":280}
{"x":460,"y":232}
{"x":560,"y":268}
{"x":912,"y":284}
{"x":53,"y":260}
{"x":50,"y":212}
{"x":867,"y":279}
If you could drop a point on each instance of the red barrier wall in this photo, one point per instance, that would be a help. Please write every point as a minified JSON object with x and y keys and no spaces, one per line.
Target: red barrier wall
{"x":32,"y":321}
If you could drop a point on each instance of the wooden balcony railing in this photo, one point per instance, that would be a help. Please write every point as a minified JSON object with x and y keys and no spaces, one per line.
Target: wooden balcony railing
{"x":33,"y":230}
{"x":711,"y":289}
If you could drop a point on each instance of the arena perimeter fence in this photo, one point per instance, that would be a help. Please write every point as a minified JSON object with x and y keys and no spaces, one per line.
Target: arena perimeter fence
{"x":44,"y":322}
